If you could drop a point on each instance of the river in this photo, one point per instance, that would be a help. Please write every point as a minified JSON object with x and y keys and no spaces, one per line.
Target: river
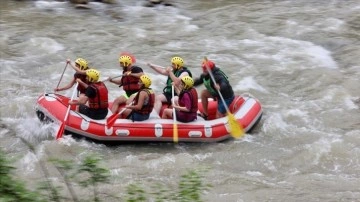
{"x":301,"y":59}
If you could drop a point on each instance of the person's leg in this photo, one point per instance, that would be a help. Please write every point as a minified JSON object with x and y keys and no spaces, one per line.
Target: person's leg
{"x":167,"y":114}
{"x":158,"y":102}
{"x":131,"y":98}
{"x":117,"y":102}
{"x":205,"y":95}
{"x":139,"y":117}
{"x":221,"y":111}
{"x":219,"y":114}
{"x":125,"y":113}
{"x":83,"y":109}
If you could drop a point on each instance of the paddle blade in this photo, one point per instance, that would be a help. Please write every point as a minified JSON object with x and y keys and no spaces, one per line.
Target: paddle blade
{"x":111,"y":120}
{"x":236,"y":129}
{"x":176,"y":135}
{"x":60,"y":131}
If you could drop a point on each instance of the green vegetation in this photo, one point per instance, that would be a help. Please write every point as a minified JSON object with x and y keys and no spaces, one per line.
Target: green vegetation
{"x":12,"y":189}
{"x":89,"y":175}
{"x":189,"y":189}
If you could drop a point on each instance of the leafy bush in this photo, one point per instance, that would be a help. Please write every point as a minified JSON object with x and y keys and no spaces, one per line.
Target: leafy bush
{"x":90,"y":175}
{"x":12,"y":189}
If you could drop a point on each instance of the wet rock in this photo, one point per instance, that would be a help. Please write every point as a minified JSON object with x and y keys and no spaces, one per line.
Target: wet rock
{"x":153,"y":3}
{"x":79,"y":1}
{"x":82,"y":6}
{"x":114,"y":14}
{"x":108,"y":1}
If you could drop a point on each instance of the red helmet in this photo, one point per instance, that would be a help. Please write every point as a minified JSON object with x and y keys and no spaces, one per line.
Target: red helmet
{"x":208,"y":64}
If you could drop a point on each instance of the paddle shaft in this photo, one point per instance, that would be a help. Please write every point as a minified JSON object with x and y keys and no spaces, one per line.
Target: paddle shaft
{"x":62,"y":75}
{"x":112,"y":78}
{"x":173,"y":102}
{"x":154,"y":65}
{"x":174,"y":115}
{"x":111,"y":120}
{"x":72,"y":98}
{"x":122,"y":111}
{"x":62,"y":127}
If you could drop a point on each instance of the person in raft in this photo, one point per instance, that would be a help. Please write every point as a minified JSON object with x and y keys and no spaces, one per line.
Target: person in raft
{"x":129,"y":81}
{"x":211,"y":89}
{"x":174,"y":73}
{"x":186,"y":110}
{"x":94,"y":102}
{"x":143,"y":102}
{"x":81,"y":65}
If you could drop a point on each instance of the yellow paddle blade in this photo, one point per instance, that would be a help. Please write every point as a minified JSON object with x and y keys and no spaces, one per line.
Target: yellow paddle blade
{"x":176,"y":135}
{"x":236,"y":129}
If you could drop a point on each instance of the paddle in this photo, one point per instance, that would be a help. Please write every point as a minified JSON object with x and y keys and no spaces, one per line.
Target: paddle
{"x":111,"y":120}
{"x":62,"y":127}
{"x":236,"y":129}
{"x":112,"y":78}
{"x":62,"y":75}
{"x":175,"y":127}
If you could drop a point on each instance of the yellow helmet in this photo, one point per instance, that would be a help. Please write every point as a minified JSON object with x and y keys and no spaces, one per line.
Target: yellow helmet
{"x":145,"y":79}
{"x":126,"y":60}
{"x":178,"y":61}
{"x":188,"y":81}
{"x":93,"y":75}
{"x":82,"y":63}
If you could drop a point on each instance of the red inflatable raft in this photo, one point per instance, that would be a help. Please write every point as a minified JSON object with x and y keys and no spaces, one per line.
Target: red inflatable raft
{"x":246,"y":109}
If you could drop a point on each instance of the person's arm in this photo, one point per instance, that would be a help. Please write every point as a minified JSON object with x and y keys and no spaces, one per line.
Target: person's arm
{"x":177,"y":89}
{"x":220,"y":82}
{"x":140,"y":103}
{"x":85,"y":85}
{"x":175,"y":79}
{"x":69,"y":85}
{"x":136,"y":74}
{"x":198,"y":81}
{"x":82,"y":100}
{"x":78,"y":70}
{"x":158,"y":69}
{"x":186,"y":99}
{"x":115,"y":81}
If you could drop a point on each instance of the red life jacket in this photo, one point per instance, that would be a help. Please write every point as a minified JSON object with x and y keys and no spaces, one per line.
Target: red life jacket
{"x":81,"y":88}
{"x":130,"y":83}
{"x":194,"y":99}
{"x":145,"y":109}
{"x":100,"y":101}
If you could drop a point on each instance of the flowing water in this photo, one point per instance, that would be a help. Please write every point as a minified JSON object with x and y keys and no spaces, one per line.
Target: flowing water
{"x":301,"y":59}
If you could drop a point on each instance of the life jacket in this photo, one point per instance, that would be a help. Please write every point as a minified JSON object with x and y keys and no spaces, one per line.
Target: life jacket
{"x":80,"y":88}
{"x":177,"y":73}
{"x":209,"y":85}
{"x":146,"y":108}
{"x":194,"y":99}
{"x":100,"y":101}
{"x":130,"y":83}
